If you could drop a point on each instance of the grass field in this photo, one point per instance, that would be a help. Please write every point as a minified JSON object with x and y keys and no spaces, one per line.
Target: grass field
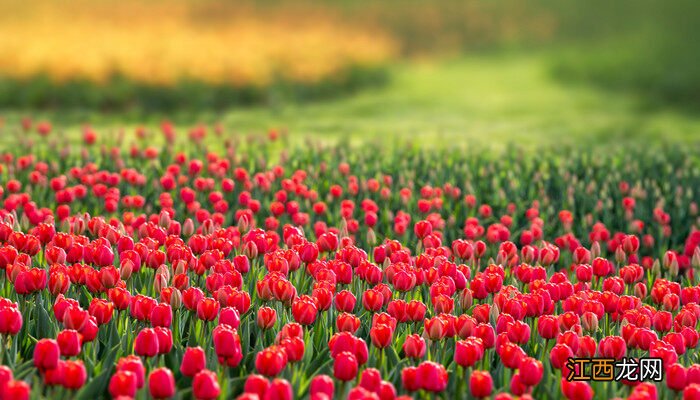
{"x":480,"y":100}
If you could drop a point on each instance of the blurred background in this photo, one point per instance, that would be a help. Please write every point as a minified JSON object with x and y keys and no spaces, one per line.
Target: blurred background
{"x":529,"y":71}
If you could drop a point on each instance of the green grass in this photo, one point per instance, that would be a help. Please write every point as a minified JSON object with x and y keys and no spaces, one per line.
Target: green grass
{"x":473,"y":101}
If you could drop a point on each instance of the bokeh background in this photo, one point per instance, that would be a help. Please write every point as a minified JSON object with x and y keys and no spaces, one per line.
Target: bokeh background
{"x":435,"y":73}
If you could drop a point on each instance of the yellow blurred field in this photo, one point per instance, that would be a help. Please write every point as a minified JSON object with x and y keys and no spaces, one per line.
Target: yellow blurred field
{"x":162,"y":42}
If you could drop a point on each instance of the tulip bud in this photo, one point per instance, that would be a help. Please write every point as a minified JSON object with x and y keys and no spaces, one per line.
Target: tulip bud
{"x":164,"y":219}
{"x":188,"y":228}
{"x":243,"y":224}
{"x":160,"y":282}
{"x":175,"y":299}
{"x":695,"y":260}
{"x":494,"y":312}
{"x":371,"y":237}
{"x":466,"y":299}
{"x":595,"y":250}
{"x":126,"y":269}
{"x":673,"y":269}
{"x":656,"y":268}
{"x":180,"y":267}
{"x":589,"y":322}
{"x":620,"y":255}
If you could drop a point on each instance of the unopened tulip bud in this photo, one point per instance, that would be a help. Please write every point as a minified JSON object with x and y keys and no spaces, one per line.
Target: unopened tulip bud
{"x":466,"y":299}
{"x":176,"y":299}
{"x":78,"y":226}
{"x":159,"y":282}
{"x":620,"y":255}
{"x":243,"y":224}
{"x":66,"y":225}
{"x":500,"y":258}
{"x":126,"y":269}
{"x":343,"y":228}
{"x":640,"y":290}
{"x":188,"y":227}
{"x":589,"y":322}
{"x":695,"y":260}
{"x":673,"y":269}
{"x":371,"y":237}
{"x":250,"y":250}
{"x":493,"y":314}
{"x":164,"y":270}
{"x":180,"y":267}
{"x":208,"y":227}
{"x":595,"y":250}
{"x":164,"y":219}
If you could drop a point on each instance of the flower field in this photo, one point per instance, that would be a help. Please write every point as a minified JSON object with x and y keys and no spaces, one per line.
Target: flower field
{"x":210,"y":268}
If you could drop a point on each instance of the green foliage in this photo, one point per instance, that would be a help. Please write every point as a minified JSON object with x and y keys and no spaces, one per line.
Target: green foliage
{"x":122,"y":94}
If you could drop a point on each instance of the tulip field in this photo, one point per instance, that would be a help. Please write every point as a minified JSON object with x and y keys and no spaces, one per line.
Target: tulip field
{"x":170,"y":262}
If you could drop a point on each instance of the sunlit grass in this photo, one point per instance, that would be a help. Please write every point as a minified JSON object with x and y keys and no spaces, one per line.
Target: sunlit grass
{"x":475,"y":101}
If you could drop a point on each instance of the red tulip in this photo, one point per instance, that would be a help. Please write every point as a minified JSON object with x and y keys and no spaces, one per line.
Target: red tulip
{"x":372,"y":300}
{"x":10,"y":321}
{"x":480,"y":384}
{"x":559,"y":355}
{"x":256,"y":385}
{"x":230,"y":317}
{"x":433,"y":376}
{"x":371,"y":379}
{"x":205,"y":385}
{"x":294,"y":346}
{"x":227,"y":345}
{"x":414,"y":346}
{"x":435,"y":328}
{"x":531,"y":371}
{"x":271,"y":360}
{"x":409,"y":379}
{"x":161,"y":383}
{"x":322,"y":384}
{"x":75,"y":374}
{"x":612,"y":347}
{"x":345,"y":301}
{"x":55,"y":376}
{"x":134,"y":365}
{"x":468,"y":352}
{"x":279,"y":389}
{"x":146,"y":343}
{"x":193,"y":361}
{"x":304,"y":310}
{"x":161,"y":315}
{"x":122,"y":383}
{"x":691,"y":392}
{"x":46,"y":354}
{"x":69,"y":342}
{"x":266,"y":317}
{"x":16,"y":390}
{"x":381,"y":335}
{"x":345,"y":366}
{"x":676,"y":377}
{"x":165,"y":340}
{"x":207,"y":309}
{"x":346,"y":322}
{"x":102,"y":310}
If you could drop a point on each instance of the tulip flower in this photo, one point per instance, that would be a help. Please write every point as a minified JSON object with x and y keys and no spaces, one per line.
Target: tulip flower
{"x":193,"y":361}
{"x":46,"y":354}
{"x":480,"y":384}
{"x":161,"y":383}
{"x":205,"y":385}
